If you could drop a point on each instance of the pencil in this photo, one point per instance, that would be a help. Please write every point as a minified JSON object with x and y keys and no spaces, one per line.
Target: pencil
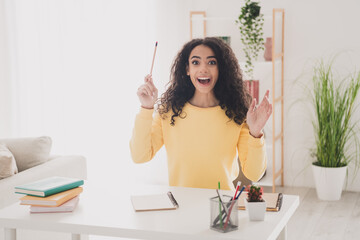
{"x":232,"y":205}
{"x":152,"y":64}
{"x":220,"y":211}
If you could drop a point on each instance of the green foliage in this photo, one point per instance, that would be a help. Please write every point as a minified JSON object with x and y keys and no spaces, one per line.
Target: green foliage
{"x":254,"y":193}
{"x":336,"y":140}
{"x":251,"y":24}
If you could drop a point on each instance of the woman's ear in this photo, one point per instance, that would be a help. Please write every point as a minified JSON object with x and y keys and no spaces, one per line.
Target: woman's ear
{"x":187,"y":70}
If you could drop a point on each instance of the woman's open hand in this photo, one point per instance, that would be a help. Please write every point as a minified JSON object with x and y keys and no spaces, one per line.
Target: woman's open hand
{"x":257,"y":117}
{"x":147,"y":93}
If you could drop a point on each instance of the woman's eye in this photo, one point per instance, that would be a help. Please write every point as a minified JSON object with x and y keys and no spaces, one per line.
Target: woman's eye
{"x":195,"y":62}
{"x":212,"y":62}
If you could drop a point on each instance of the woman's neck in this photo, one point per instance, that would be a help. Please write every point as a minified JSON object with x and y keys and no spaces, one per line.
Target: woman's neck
{"x":204,"y":100}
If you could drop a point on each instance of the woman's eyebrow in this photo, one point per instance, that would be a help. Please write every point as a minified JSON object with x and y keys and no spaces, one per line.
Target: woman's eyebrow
{"x":200,"y":57}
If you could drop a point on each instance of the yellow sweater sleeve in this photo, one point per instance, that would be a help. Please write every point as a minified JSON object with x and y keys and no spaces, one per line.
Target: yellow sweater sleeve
{"x":252,"y":154}
{"x":147,"y":137}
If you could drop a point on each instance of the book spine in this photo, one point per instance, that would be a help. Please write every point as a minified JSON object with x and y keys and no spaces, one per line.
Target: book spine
{"x":63,"y":188}
{"x":53,"y":204}
{"x":37,"y":194}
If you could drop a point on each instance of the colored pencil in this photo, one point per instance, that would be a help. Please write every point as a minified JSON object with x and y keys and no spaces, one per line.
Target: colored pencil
{"x":232,"y":205}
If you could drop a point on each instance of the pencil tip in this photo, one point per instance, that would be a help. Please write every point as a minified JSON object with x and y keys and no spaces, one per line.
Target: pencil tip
{"x":156,"y":43}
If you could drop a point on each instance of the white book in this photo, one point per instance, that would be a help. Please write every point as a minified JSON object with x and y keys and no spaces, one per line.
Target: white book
{"x":68,"y":206}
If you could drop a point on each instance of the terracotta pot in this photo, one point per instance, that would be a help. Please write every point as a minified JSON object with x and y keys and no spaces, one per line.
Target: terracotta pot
{"x":252,"y":86}
{"x":268,"y":49}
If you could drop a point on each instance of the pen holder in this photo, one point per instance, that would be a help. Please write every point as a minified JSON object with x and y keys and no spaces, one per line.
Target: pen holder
{"x":219,"y":214}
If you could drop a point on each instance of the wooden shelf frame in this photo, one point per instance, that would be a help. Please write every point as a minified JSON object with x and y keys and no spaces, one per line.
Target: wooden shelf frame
{"x":276,"y":99}
{"x":192,"y":13}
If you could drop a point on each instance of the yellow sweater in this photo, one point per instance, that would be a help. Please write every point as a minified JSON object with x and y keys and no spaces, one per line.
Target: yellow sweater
{"x":201,"y":148}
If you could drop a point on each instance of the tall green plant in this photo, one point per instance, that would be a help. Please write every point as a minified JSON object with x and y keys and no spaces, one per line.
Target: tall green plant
{"x":251,"y":24}
{"x":336,"y":140}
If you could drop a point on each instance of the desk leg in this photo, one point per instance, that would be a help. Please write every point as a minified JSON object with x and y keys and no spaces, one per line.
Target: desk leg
{"x":10,"y":233}
{"x":79,"y":236}
{"x":75,"y":236}
{"x":283,"y":234}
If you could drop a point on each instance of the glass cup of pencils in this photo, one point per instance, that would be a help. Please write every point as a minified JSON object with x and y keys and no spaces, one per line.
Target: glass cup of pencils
{"x":223,"y":214}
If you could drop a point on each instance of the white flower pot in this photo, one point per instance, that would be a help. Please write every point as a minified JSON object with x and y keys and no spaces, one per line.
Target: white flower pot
{"x":329,"y":182}
{"x":256,"y":210}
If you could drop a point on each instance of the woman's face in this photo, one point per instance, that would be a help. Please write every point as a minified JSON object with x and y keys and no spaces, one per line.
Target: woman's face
{"x":203,"y":69}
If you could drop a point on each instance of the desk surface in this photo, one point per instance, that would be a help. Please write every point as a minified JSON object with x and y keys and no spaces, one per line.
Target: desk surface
{"x":108,"y":211}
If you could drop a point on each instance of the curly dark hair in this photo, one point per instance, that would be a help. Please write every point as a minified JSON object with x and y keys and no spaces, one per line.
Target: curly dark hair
{"x":229,"y":89}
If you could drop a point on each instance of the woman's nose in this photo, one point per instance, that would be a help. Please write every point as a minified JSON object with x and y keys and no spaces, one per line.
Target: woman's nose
{"x":203,"y":68}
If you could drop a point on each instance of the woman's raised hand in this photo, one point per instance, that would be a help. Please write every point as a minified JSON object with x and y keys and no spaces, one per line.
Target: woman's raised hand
{"x":257,"y":117}
{"x":147,"y":93}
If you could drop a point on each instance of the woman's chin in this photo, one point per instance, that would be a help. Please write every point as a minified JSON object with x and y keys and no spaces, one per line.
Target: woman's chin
{"x":204,"y":90}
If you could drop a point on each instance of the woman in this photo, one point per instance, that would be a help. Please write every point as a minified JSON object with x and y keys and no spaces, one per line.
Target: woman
{"x":204,"y":116}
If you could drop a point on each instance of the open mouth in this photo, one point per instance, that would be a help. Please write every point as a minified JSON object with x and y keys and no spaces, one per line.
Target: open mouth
{"x":203,"y":80}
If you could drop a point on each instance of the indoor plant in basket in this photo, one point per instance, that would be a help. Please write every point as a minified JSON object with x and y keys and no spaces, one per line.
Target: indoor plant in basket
{"x":254,"y":203}
{"x":251,"y":23}
{"x":336,"y":140}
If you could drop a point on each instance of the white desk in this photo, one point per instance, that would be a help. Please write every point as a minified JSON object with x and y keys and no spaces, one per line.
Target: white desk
{"x":108,"y":211}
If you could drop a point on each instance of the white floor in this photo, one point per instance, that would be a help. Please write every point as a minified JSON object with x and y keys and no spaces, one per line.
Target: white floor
{"x":315,"y":219}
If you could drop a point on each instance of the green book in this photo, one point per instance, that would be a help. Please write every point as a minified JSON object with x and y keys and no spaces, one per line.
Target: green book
{"x":48,"y":186}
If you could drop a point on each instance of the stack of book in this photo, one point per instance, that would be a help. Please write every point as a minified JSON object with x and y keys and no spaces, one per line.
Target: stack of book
{"x":53,"y":194}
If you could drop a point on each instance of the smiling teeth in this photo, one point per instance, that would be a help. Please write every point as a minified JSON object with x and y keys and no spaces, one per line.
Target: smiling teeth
{"x":203,"y":80}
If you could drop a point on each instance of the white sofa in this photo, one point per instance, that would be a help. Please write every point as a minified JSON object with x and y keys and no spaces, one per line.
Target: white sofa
{"x":31,"y":157}
{"x":34,"y":162}
{"x":66,"y":166}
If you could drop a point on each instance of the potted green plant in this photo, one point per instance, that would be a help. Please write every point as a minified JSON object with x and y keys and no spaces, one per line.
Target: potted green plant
{"x":254,"y":203}
{"x":335,"y":131}
{"x":251,"y":23}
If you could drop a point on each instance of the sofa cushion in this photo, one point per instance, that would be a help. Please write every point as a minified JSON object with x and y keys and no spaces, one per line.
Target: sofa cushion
{"x":7,"y":162}
{"x":29,"y":152}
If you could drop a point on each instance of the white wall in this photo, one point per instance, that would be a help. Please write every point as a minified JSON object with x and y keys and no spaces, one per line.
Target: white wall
{"x":314,"y":30}
{"x":5,"y":85}
{"x":171,"y":31}
{"x":77,"y":65}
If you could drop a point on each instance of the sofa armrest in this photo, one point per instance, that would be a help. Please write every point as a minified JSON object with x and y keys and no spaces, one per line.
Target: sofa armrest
{"x":65,"y":166}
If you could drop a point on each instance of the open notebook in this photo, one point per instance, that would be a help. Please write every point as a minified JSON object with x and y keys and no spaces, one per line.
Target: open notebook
{"x":165,"y":201}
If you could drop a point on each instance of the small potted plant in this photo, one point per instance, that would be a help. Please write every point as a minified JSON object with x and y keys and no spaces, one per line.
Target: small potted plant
{"x":254,"y":203}
{"x":251,"y":23}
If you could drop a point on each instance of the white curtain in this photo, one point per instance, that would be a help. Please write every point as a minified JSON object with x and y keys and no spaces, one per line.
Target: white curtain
{"x":75,"y":69}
